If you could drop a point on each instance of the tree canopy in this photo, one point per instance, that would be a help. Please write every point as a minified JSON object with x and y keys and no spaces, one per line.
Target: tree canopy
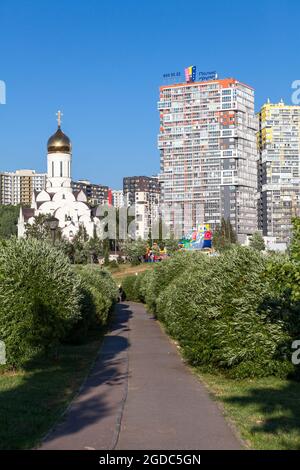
{"x":224,"y":236}
{"x":257,"y":242}
{"x":8,"y":220}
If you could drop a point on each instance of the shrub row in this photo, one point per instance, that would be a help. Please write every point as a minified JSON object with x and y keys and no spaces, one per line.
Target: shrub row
{"x":131,"y":286}
{"x":225,"y":311}
{"x":98,"y":294}
{"x":44,"y":302}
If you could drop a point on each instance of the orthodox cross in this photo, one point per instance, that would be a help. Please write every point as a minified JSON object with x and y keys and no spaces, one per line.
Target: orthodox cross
{"x":59,"y":115}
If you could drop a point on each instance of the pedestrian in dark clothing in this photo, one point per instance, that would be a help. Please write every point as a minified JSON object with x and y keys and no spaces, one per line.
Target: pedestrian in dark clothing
{"x":121,"y":294}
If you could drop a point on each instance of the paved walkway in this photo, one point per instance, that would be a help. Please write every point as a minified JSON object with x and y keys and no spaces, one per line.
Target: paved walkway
{"x":140,"y":395}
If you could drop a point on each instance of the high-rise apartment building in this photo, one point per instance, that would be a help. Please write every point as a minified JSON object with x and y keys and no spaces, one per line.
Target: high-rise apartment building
{"x":117,"y":198}
{"x":144,"y":193}
{"x":96,"y":193}
{"x":133,"y":184}
{"x":17,"y":188}
{"x":208,"y":154}
{"x":278,"y":141}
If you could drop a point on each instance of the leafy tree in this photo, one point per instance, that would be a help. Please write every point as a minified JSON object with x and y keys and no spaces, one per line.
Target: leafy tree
{"x":81,"y":251}
{"x":8,"y":220}
{"x":94,"y":246}
{"x":160,"y":227}
{"x":295,"y":243}
{"x":67,"y":248}
{"x":257,"y":242}
{"x":135,"y":250}
{"x":287,"y":273}
{"x":81,"y":236}
{"x":81,"y":255}
{"x":39,"y":230}
{"x":224,"y":236}
{"x":150,"y":239}
{"x":171,"y":245}
{"x":106,"y":258}
{"x":106,"y":246}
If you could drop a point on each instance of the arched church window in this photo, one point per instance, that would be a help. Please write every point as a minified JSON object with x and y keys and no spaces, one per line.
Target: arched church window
{"x":52,"y":169}
{"x":61,"y":169}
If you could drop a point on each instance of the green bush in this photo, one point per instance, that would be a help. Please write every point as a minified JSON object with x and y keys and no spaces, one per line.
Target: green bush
{"x":138,"y":286}
{"x":39,"y":298}
{"x":99,"y":283}
{"x":163,"y":274}
{"x":282,"y":303}
{"x":219,"y":311}
{"x":88,"y":320}
{"x":132,"y":287}
{"x":8,"y":220}
{"x":286,"y":275}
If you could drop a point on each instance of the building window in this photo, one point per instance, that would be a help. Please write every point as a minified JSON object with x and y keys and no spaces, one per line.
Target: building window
{"x":61,"y":169}
{"x":52,"y":169}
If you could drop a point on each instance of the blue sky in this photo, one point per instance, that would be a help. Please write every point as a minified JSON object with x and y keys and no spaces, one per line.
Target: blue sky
{"x":101,"y":63}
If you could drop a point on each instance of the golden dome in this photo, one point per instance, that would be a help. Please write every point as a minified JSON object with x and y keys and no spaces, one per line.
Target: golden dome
{"x":59,"y":143}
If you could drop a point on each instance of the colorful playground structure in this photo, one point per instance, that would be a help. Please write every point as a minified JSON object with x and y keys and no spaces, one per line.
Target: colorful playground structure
{"x":199,"y":238}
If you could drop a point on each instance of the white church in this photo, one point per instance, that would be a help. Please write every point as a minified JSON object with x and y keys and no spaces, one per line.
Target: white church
{"x":70,"y":208}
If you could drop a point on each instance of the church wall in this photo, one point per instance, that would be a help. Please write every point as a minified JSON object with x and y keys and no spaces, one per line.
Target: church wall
{"x":59,"y":171}
{"x":63,"y":195}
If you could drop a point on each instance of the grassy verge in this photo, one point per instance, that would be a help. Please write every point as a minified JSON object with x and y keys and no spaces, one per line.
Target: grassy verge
{"x":128,"y":270}
{"x":122,"y":270}
{"x":32,"y":400}
{"x":265,"y":411}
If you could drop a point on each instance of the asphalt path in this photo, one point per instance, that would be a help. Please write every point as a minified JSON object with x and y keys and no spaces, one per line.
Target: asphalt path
{"x":141,"y":395}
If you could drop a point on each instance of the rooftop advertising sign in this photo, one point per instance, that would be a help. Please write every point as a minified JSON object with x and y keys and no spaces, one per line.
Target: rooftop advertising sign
{"x":190,"y":73}
{"x":203,"y":76}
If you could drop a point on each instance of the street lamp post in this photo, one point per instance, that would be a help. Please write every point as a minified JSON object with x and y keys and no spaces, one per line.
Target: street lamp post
{"x":52,"y":223}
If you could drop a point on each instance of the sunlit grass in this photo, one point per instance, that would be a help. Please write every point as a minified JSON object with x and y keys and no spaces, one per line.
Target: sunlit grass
{"x":266,"y":412}
{"x":31,"y":401}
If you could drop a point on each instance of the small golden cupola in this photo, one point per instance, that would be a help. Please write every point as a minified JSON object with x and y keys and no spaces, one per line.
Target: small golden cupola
{"x":59,"y":142}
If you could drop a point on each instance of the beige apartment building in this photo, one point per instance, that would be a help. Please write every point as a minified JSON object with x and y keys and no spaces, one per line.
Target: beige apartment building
{"x":17,"y":187}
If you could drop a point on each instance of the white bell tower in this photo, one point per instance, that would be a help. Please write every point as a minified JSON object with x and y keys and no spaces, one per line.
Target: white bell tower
{"x":59,"y":160}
